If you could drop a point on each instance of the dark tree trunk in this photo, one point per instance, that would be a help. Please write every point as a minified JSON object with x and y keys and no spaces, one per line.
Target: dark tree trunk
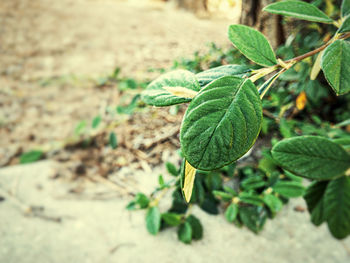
{"x":270,"y":25}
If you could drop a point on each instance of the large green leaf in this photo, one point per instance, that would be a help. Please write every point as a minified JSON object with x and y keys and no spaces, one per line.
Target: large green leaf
{"x":289,"y":188}
{"x":337,"y":207}
{"x":221,"y":124}
{"x":252,"y":44}
{"x":205,"y":77}
{"x":312,"y":157}
{"x":153,"y":218}
{"x":299,"y":10}
{"x":345,"y":8}
{"x":336,"y":67}
{"x":175,"y":87}
{"x":314,"y":198}
{"x":345,"y":26}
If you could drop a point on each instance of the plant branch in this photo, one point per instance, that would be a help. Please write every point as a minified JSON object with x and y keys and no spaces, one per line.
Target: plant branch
{"x":317,"y":50}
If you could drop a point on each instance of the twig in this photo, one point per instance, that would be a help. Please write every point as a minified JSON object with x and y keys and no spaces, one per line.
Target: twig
{"x":313,"y":52}
{"x":118,"y":186}
{"x":28,"y":210}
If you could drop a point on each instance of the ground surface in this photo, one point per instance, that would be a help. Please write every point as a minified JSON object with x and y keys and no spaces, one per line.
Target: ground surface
{"x":103,"y":231}
{"x":51,"y":54}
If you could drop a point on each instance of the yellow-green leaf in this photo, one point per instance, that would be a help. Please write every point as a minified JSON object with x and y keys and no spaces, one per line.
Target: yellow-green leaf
{"x":190,"y":173}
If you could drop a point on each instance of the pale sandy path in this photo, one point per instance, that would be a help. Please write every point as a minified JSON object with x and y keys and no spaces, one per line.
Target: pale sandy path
{"x":41,"y":38}
{"x":103,"y":231}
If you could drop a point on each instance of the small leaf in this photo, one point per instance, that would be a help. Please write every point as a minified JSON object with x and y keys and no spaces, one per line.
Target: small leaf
{"x":337,"y":207}
{"x":345,"y":8}
{"x":230,"y":190}
{"x":253,"y":182}
{"x":172,"y":219}
{"x":252,"y":44}
{"x":273,"y":203}
{"x":336,"y":67}
{"x":161,"y":180}
{"x":289,"y":189}
{"x":96,"y":121}
{"x":30,"y":157}
{"x":316,"y":68}
{"x":175,"y":87}
{"x":113,"y":142}
{"x":253,"y":217}
{"x":197,"y":228}
{"x":153,"y":219}
{"x":250,"y":198}
{"x":205,"y":77}
{"x":221,"y":123}
{"x":190,"y":173}
{"x":301,"y":101}
{"x":312,"y":157}
{"x":184,"y":233}
{"x":79,"y":129}
{"x":298,"y":9}
{"x":142,"y":200}
{"x":345,"y":26}
{"x":231,"y":212}
{"x":223,"y":195}
{"x":171,"y":169}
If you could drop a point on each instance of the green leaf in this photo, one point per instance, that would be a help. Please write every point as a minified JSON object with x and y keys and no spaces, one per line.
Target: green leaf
{"x":184,"y":233}
{"x":312,"y":157}
{"x":253,"y":217}
{"x":142,"y":200}
{"x":289,"y":188}
{"x":298,"y":9}
{"x":345,"y":8}
{"x":250,"y":198}
{"x":223,"y":195}
{"x":314,"y":198}
{"x":230,"y":190}
{"x":252,"y":44}
{"x":253,"y":182}
{"x":221,"y":123}
{"x":345,"y":27}
{"x":273,"y":203}
{"x":79,"y":129}
{"x":30,"y":157}
{"x":336,"y":67}
{"x":153,"y":219}
{"x":210,"y":75}
{"x":337,"y":207}
{"x":175,"y":87}
{"x":171,"y":169}
{"x":161,"y":181}
{"x":113,"y":142}
{"x":197,"y":228}
{"x":172,"y":219}
{"x":96,"y":121}
{"x":231,"y":212}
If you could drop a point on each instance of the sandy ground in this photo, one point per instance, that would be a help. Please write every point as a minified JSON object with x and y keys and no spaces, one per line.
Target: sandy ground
{"x":104,"y":231}
{"x":43,"y":39}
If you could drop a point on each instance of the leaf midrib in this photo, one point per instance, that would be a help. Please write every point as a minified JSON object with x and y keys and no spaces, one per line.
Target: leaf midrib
{"x":221,"y":119}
